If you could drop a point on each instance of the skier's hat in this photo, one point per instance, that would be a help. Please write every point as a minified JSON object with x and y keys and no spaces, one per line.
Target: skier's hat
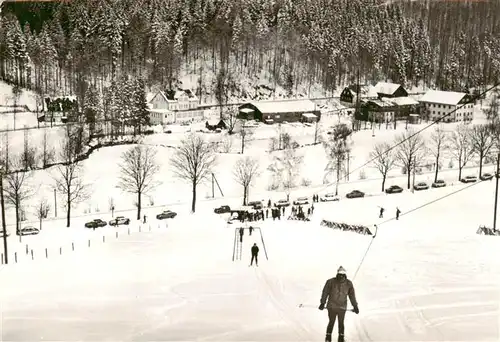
{"x":341,"y":270}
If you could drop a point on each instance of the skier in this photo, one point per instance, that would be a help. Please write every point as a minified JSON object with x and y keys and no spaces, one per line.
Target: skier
{"x":381,"y":212}
{"x":144,"y":219}
{"x":336,"y":290}
{"x":397,"y":213}
{"x":250,"y":229}
{"x":255,"y":253}
{"x":241,"y":235}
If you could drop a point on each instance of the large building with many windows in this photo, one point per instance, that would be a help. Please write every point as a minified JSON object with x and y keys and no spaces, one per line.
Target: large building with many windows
{"x":175,"y":106}
{"x":449,"y":105}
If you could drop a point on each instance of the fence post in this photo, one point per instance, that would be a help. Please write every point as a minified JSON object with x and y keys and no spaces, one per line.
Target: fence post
{"x":149,"y":227}
{"x":27,"y":249}
{"x":89,"y":242}
{"x":2,"y":258}
{"x":116,"y":233}
{"x":73,"y":246}
{"x":128,"y":229}
{"x":32,"y":256}
{"x":15,"y":257}
{"x":140,"y":228}
{"x":60,"y":250}
{"x":46,"y":253}
{"x":20,"y":238}
{"x":103,"y":238}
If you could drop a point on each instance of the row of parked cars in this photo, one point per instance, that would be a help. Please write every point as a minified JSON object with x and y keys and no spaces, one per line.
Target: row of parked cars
{"x":122,"y":220}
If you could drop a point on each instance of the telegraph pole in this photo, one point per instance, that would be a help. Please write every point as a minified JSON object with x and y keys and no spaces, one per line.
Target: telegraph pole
{"x":496,"y":193}
{"x":4,"y":225}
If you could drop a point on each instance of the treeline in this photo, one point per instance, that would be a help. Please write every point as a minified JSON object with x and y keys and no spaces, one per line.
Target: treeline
{"x":451,"y":45}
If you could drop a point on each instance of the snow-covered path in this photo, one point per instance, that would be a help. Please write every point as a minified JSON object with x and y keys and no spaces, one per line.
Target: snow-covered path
{"x":421,"y":281}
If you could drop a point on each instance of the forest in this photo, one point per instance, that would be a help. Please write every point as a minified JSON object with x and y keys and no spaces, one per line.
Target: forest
{"x":71,"y":46}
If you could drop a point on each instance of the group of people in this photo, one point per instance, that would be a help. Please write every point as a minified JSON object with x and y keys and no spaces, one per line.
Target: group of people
{"x":299,"y":214}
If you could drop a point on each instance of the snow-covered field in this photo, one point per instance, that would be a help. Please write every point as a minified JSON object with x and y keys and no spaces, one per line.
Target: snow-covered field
{"x":427,"y":277}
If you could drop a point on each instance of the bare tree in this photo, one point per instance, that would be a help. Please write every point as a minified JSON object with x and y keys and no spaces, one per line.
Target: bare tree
{"x":482,"y":140}
{"x":337,"y":149}
{"x":461,"y":147}
{"x":245,"y":171}
{"x":48,"y":153}
{"x":138,"y":169}
{"x":384,"y":160}
{"x":246,"y":135}
{"x":69,"y":183}
{"x":42,"y":210}
{"x":29,"y":154}
{"x":410,"y":151}
{"x":17,"y":190}
{"x":230,"y":117}
{"x":317,"y":131}
{"x":193,"y":162}
{"x":16,"y":94}
{"x":285,"y":169}
{"x":438,"y":145}
{"x":69,"y":177}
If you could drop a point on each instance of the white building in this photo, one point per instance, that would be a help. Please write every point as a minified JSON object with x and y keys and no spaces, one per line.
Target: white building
{"x":450,"y":104}
{"x":174,"y":106}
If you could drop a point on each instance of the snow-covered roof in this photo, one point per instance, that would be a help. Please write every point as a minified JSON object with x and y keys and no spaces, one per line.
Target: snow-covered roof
{"x":442,"y":97}
{"x":309,"y":115}
{"x":386,"y":88}
{"x":289,"y":106}
{"x":381,"y":103}
{"x":173,"y":95}
{"x":402,"y":101}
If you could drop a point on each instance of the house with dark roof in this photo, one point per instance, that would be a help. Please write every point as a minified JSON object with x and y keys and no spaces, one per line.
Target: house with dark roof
{"x":385,"y":89}
{"x":348,"y":97}
{"x":172,"y":106}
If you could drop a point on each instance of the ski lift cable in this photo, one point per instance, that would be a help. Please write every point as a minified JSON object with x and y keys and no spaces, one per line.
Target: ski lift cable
{"x":436,"y":121}
{"x":406,"y":213}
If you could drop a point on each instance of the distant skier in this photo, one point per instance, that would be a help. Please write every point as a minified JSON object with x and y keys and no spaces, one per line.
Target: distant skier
{"x":397,"y":213}
{"x":255,"y":253}
{"x":250,"y":230}
{"x":241,"y":234}
{"x":144,"y":219}
{"x":381,"y":212}
{"x":336,"y":290}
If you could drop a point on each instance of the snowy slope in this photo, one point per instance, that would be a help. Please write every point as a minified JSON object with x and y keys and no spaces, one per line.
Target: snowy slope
{"x":427,"y":277}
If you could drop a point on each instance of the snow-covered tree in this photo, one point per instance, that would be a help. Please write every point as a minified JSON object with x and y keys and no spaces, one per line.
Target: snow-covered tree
{"x":410,"y":151}
{"x":461,"y":147}
{"x":438,"y":145}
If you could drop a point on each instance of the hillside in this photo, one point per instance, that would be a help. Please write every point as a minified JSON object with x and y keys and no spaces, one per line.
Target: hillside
{"x":292,"y":47}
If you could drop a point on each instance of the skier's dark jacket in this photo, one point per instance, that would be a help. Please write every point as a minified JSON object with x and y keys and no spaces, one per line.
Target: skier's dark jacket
{"x":337,"y":291}
{"x":255,"y":250}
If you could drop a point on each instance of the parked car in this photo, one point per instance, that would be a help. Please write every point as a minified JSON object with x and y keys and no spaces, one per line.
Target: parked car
{"x":166,"y":214}
{"x":2,"y":233}
{"x":355,"y":194}
{"x":329,"y":198}
{"x":394,"y":189}
{"x":257,"y":205}
{"x":167,"y":131}
{"x":222,"y":209}
{"x":119,"y":220}
{"x":469,"y":179}
{"x":29,"y":230}
{"x":486,"y":176}
{"x":421,"y":186}
{"x":301,"y":201}
{"x":282,"y":203}
{"x":97,"y":223}
{"x":439,"y":184}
